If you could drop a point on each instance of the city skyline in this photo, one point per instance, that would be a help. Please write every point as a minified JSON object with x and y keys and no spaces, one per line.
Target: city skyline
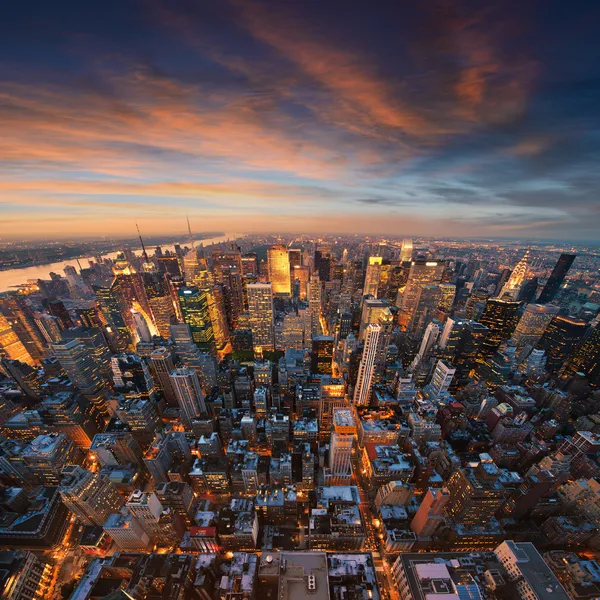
{"x":421,"y":120}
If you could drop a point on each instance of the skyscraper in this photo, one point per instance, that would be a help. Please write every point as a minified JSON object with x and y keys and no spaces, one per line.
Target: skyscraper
{"x":556,"y":278}
{"x":321,"y":357}
{"x":260,"y":307}
{"x":340,"y":448}
{"x":532,"y":324}
{"x":195,"y":310}
{"x":440,"y":380}
{"x":314,"y":304}
{"x":188,"y":392}
{"x":83,"y":371}
{"x":92,"y":497}
{"x":162,"y":364}
{"x":500,"y":317}
{"x":513,"y":286}
{"x":366,"y":370}
{"x":406,"y":250}
{"x":586,"y":358}
{"x":372,"y":276}
{"x":10,"y":345}
{"x":561,"y":337}
{"x":279,"y":270}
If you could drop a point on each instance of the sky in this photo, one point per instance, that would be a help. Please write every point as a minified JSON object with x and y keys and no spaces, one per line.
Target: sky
{"x":413,"y":117}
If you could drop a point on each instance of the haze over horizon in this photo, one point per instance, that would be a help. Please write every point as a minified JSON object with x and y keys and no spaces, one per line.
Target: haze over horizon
{"x":427,"y":118}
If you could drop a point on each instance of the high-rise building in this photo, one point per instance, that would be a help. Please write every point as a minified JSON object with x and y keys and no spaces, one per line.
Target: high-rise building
{"x":550,"y":290}
{"x":160,"y":300}
{"x":422,"y":272}
{"x":440,"y":380}
{"x":114,"y":310}
{"x":321,"y":357}
{"x":127,"y":532}
{"x":431,"y":513}
{"x":366,"y":370}
{"x":229,"y":271}
{"x":10,"y":345}
{"x":406,"y":250}
{"x":300,"y":277}
{"x":314,"y":304}
{"x":92,"y":497}
{"x":194,"y":304}
{"x":448,"y":293}
{"x":561,"y":337}
{"x":46,"y":455}
{"x":532,"y":324}
{"x":500,"y":316}
{"x":323,"y":263}
{"x":20,"y":317}
{"x":279,"y":270}
{"x":83,"y":371}
{"x":340,"y":448}
{"x":331,"y":395}
{"x":260,"y":307}
{"x":371,"y":311}
{"x":512,"y":287}
{"x":586,"y":358}
{"x":475,"y":493}
{"x":372,"y":276}
{"x":188,"y":392}
{"x":131,"y":376}
{"x":161,"y":362}
{"x":468,"y":346}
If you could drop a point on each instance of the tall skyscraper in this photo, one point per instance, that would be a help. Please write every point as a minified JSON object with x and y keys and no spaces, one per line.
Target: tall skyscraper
{"x":372,"y":276}
{"x":500,"y":316}
{"x":279,"y":270}
{"x":340,"y":448}
{"x":10,"y":345}
{"x":512,"y":287}
{"x":532,"y":324}
{"x":188,"y":392}
{"x":83,"y":371}
{"x":114,"y":309}
{"x":300,"y":277}
{"x":195,"y":309}
{"x":422,"y":272}
{"x":314,"y":304}
{"x":260,"y":307}
{"x":440,"y":380}
{"x":21,"y":319}
{"x":586,"y":358}
{"x":561,"y":337}
{"x":161,"y":362}
{"x":229,"y":272}
{"x":550,"y":290}
{"x":406,"y":250}
{"x":366,"y":370}
{"x":323,"y":263}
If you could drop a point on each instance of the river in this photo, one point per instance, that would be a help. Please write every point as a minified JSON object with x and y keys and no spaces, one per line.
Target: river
{"x":15,"y":277}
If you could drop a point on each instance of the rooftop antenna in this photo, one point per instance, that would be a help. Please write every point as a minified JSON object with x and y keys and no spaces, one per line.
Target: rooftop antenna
{"x":145,"y":254}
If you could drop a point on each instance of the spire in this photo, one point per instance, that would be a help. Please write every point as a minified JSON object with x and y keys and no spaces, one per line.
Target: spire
{"x":145,"y":254}
{"x":189,"y":230}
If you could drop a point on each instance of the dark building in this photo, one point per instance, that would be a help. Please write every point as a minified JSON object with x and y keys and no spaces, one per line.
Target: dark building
{"x":561,"y":268}
{"x":471,"y":340}
{"x":586,"y":358}
{"x":321,"y":356}
{"x":560,"y":339}
{"x":500,"y":317}
{"x":57,"y":309}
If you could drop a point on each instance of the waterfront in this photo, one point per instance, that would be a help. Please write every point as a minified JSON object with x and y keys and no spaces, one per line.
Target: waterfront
{"x":14,"y":277}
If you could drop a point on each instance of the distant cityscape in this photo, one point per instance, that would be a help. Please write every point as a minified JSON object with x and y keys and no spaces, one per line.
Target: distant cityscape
{"x":342,"y":417}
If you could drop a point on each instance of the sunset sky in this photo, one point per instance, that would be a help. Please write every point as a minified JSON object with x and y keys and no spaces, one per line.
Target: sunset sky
{"x":440,"y":118}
